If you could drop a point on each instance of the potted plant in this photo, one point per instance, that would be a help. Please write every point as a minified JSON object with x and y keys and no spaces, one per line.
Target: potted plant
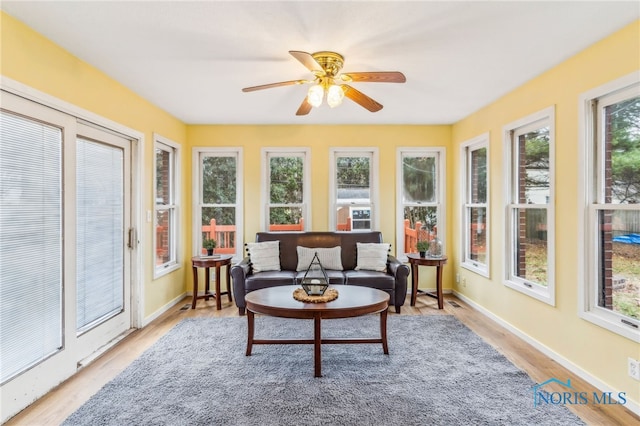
{"x":209,"y":244}
{"x":422,"y":246}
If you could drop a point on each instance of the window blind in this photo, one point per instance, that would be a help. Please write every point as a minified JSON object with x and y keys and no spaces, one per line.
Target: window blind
{"x":30,"y":243}
{"x":100,"y":232}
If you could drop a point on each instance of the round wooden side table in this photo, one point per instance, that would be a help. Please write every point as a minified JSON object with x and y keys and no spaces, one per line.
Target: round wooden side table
{"x":415,"y":260}
{"x":207,"y":263}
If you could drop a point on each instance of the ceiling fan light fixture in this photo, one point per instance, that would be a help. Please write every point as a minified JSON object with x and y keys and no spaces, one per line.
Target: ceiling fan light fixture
{"x":326,"y":67}
{"x":335,"y":94}
{"x":315,"y":95}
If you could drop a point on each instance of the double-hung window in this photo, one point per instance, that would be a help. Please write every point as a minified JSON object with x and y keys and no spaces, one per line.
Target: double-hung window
{"x":166,"y":205}
{"x":218,"y":212}
{"x":286,"y":188}
{"x":420,"y":192}
{"x":475,"y":213}
{"x":354,"y":189}
{"x":610,"y":272}
{"x":529,"y":221}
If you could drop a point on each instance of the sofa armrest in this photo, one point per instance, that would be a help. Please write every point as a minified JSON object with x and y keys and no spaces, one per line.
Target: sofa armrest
{"x":244,"y":267}
{"x":393,"y":264}
{"x":239,"y":273}
{"x":400,"y":272}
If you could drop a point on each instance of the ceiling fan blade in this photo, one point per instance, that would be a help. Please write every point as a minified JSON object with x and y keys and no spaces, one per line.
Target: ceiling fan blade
{"x":375,"y":77}
{"x":305,"y":107}
{"x":307,"y":60}
{"x":269,"y":86}
{"x":361,"y":99}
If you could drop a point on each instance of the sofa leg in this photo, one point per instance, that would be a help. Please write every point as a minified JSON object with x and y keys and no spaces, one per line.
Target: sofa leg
{"x":397,"y":309}
{"x":241,"y":312}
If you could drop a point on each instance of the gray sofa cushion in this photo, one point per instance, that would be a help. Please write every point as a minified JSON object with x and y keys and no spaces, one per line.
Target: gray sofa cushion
{"x":269,"y":279}
{"x":373,"y":279}
{"x":335,"y":277}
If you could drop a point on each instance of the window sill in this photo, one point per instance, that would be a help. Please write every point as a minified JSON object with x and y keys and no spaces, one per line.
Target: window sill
{"x":165,"y":270}
{"x":542,"y":294}
{"x":479,"y":269}
{"x":613,"y":323}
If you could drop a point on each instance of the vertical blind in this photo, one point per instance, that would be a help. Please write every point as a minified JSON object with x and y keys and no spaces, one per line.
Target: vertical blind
{"x":30,"y":243}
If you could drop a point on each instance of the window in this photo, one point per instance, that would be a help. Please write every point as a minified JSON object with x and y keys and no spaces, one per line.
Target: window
{"x":286,"y":187}
{"x":354,"y":189}
{"x":475,"y":214}
{"x":166,"y":205}
{"x":420,"y":194}
{"x":529,"y":222}
{"x":610,"y":277}
{"x":219,"y":205}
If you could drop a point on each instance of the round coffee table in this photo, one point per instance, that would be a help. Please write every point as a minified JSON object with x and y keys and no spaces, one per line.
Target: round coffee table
{"x":352,"y":301}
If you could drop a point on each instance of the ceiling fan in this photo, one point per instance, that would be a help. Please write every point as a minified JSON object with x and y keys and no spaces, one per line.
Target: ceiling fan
{"x":326,"y":67}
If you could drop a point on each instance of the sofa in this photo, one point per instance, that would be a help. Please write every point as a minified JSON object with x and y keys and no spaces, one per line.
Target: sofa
{"x":282,"y":258}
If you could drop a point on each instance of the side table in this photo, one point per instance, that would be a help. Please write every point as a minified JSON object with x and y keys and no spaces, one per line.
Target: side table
{"x":206,"y":263}
{"x":415,"y":260}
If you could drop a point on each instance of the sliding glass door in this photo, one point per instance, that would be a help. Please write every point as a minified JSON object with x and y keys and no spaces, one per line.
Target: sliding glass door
{"x":65,"y":270}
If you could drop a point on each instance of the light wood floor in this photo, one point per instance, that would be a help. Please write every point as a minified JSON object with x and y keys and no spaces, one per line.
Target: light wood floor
{"x":53,"y":408}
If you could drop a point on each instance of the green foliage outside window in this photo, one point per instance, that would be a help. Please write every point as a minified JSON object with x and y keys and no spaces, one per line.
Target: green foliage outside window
{"x":420,"y":186}
{"x":624,"y":121}
{"x":219,"y":187}
{"x":286,"y":187}
{"x":353,"y":172}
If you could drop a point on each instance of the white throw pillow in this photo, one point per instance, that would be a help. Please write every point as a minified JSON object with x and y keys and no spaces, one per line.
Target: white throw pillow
{"x":372,"y":256}
{"x":330,"y":258}
{"x":264,"y":256}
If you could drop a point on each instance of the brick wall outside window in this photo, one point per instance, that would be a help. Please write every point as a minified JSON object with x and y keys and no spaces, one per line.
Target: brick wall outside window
{"x":606,"y":225}
{"x":521,"y":263}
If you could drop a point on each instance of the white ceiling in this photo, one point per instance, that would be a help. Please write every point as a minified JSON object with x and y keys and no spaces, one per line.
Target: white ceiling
{"x":192,"y":58}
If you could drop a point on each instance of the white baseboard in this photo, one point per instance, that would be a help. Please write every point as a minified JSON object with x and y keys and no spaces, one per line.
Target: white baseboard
{"x":603,"y":387}
{"x":163,"y":309}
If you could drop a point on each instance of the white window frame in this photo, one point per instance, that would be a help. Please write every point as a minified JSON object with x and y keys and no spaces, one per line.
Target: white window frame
{"x":543,"y":118}
{"x":590,"y":147}
{"x":466,"y":150}
{"x":237,"y":153}
{"x":173,"y":148}
{"x":372,"y":153}
{"x":267,"y":154}
{"x":440,"y":154}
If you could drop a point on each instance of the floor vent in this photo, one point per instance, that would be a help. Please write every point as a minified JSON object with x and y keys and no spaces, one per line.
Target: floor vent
{"x":185,"y":307}
{"x":454,"y":304}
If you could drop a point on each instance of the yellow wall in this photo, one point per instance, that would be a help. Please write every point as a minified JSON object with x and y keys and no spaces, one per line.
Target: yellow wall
{"x":320,"y":139}
{"x":33,"y":60}
{"x":602,"y":353}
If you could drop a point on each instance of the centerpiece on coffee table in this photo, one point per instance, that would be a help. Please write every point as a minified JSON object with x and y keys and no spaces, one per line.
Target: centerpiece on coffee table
{"x":315,"y":281}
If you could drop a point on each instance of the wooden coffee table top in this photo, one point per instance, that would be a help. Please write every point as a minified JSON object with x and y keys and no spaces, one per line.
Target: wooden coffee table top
{"x":352,"y":301}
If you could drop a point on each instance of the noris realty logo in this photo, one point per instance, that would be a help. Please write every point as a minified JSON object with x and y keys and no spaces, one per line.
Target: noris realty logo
{"x":572,"y":397}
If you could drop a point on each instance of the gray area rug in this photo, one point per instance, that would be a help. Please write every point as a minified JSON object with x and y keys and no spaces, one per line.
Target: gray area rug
{"x":438,"y":372}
